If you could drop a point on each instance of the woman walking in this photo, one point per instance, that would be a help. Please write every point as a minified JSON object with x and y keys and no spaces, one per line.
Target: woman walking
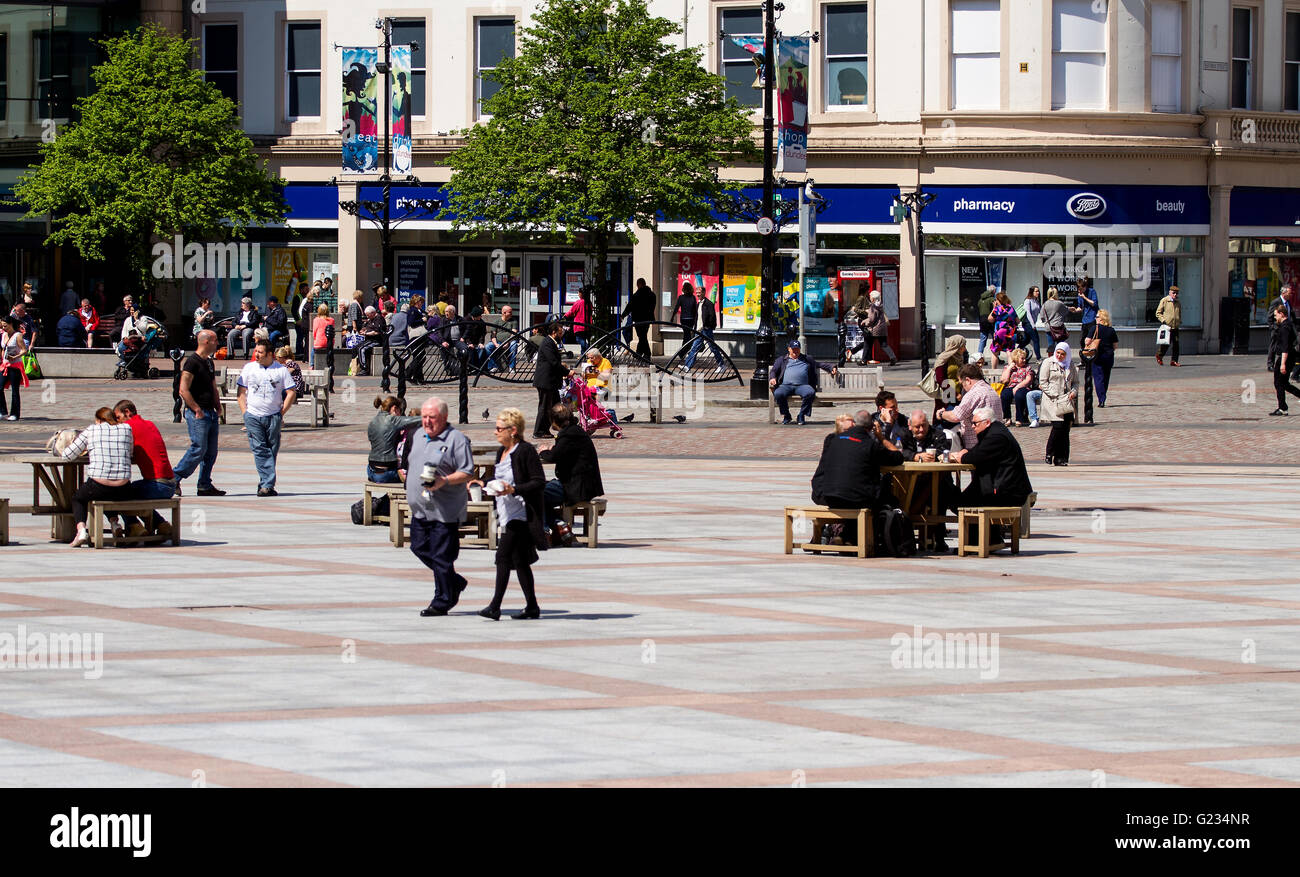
{"x":1103,"y":358}
{"x":13,"y":346}
{"x":1032,"y":307}
{"x":519,"y":514}
{"x":1056,"y":380}
{"x":108,"y":476}
{"x":581,"y":312}
{"x":1055,"y":313}
{"x":875,"y":329}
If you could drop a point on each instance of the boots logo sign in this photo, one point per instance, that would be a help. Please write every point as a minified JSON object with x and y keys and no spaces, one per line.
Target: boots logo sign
{"x":1086,"y":206}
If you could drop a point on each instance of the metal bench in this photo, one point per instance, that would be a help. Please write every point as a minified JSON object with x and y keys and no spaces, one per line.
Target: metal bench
{"x":318,"y":396}
{"x":97,"y":509}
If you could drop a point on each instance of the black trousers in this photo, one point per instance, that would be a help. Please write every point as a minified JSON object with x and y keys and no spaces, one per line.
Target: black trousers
{"x":1058,"y":440}
{"x":92,"y":490}
{"x":437,"y":544}
{"x":1282,"y":385}
{"x":515,"y":551}
{"x":1173,"y":339}
{"x":13,"y":378}
{"x":546,"y":400}
{"x":642,"y":341}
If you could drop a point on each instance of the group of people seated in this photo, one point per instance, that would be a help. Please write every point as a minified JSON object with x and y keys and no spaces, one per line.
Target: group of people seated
{"x":849,"y":473}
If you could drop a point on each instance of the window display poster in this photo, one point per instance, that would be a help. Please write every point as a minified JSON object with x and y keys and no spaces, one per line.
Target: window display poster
{"x":997,"y":270}
{"x":821,"y":305}
{"x":888,"y":280}
{"x":971,"y":283}
{"x":701,"y":271}
{"x":1164,"y":273}
{"x":288,"y":269}
{"x":572,"y":286}
{"x":411,"y":278}
{"x":740,"y":291}
{"x":320,"y":270}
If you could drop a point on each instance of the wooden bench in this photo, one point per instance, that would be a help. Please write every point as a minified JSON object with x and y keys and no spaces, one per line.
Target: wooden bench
{"x":318,"y":396}
{"x":819,"y":515}
{"x":480,"y":522}
{"x":984,"y":519}
{"x":392,"y":491}
{"x":591,"y":511}
{"x":852,"y":384}
{"x":142,"y":508}
{"x":1024,"y":515}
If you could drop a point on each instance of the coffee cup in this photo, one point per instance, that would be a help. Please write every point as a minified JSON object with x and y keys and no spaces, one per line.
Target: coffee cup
{"x":476,"y":492}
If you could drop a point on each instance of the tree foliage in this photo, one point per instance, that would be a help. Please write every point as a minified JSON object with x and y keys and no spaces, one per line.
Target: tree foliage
{"x":599,"y":123}
{"x":157,"y":151}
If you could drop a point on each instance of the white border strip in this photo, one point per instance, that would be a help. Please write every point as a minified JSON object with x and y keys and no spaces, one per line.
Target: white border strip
{"x":1079,"y":231}
{"x":1264,"y":231}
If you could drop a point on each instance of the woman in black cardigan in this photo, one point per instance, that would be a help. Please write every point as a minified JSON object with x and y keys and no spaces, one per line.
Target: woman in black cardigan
{"x":519,"y":514}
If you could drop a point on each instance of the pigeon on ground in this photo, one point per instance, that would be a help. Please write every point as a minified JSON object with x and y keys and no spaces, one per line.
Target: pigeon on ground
{"x":628,"y":419}
{"x":680,"y":418}
{"x":487,"y":413}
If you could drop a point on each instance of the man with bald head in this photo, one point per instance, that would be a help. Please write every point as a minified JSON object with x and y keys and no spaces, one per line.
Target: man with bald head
{"x":438,"y":462}
{"x":200,"y":395}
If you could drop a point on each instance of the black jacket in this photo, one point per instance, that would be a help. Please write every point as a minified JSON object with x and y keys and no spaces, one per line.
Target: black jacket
{"x":1283,"y":340}
{"x":708,"y":314}
{"x":641,"y":305}
{"x":576,"y":464}
{"x":551,"y":371}
{"x":936,"y":439}
{"x":1000,"y":466}
{"x":778,"y":369}
{"x":276,"y":319}
{"x":848,"y":474}
{"x":530,"y":481}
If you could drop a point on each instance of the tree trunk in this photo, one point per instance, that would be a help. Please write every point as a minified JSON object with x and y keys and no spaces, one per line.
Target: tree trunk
{"x":602,"y":297}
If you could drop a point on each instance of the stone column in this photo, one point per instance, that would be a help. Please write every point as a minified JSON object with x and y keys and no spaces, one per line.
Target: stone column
{"x":353,"y":267}
{"x":1214,"y":277}
{"x":909,"y":291}
{"x":168,"y":13}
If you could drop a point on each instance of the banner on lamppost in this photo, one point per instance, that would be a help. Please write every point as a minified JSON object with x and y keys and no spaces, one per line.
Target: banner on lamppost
{"x":400,"y":104}
{"x":360,"y":111}
{"x":792,"y":116}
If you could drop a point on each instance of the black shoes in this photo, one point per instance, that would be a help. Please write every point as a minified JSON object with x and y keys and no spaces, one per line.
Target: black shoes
{"x":489,"y":612}
{"x":1060,"y":463}
{"x":528,"y":614}
{"x":210,"y":491}
{"x":802,"y":420}
{"x":1048,"y":460}
{"x":266,"y":491}
{"x":1278,"y":412}
{"x":429,"y":612}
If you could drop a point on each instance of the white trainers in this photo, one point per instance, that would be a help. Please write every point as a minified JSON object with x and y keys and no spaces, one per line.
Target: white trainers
{"x":1033,"y":424}
{"x":82,"y":538}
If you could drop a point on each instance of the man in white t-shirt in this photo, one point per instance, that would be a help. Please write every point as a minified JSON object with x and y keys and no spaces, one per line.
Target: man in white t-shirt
{"x":265,"y":393}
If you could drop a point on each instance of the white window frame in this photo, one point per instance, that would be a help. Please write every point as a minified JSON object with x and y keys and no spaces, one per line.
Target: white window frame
{"x":289,"y":73}
{"x":1182,"y":14}
{"x":36,"y":75}
{"x":206,"y":68}
{"x":995,"y":102}
{"x":478,"y":70}
{"x":864,"y":56}
{"x":723,"y":63}
{"x":1249,"y":59}
{"x":424,"y":46}
{"x":1103,"y":52}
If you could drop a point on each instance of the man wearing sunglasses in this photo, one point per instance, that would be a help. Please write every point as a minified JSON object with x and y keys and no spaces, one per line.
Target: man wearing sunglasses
{"x":1001,"y":478}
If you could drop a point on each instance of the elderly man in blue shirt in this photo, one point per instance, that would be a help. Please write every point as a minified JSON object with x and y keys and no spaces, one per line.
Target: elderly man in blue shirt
{"x":795,"y":373}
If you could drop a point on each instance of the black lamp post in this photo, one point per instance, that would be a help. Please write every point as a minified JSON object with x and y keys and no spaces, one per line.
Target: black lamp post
{"x":916,"y":202}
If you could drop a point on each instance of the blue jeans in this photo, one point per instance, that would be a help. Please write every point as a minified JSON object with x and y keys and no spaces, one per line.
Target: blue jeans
{"x":203,"y":448}
{"x":783,"y":393}
{"x":387,"y":477}
{"x":1031,"y":335}
{"x":152,"y":490}
{"x":1032,"y":398}
{"x":552,"y":499}
{"x":700,"y":339}
{"x":264,"y":442}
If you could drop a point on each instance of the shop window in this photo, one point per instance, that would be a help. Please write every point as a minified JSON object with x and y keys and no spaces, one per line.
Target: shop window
{"x":53,"y":80}
{"x":737,"y":64}
{"x":495,"y":40}
{"x":1291,"y":76}
{"x":1243,"y":57}
{"x":410,"y":32}
{"x":304,"y":69}
{"x":976,"y":54}
{"x":221,"y":58}
{"x":1167,"y":56}
{"x":845,"y":42}
{"x":1079,"y":54}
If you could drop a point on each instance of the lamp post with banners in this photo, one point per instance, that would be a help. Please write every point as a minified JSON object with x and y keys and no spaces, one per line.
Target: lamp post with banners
{"x":908,"y":203}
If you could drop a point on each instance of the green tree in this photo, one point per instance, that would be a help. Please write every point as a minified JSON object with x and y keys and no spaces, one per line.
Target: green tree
{"x":157,"y":151}
{"x":599,"y":123}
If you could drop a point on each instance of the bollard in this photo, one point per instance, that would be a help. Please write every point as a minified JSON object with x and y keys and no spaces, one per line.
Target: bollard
{"x":1087,"y":391}
{"x":176,"y":355}
{"x":401,"y":377}
{"x":383,"y":381}
{"x":464,"y":387}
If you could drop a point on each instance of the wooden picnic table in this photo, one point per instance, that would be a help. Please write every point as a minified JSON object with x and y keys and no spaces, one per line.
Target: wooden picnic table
{"x":907,"y":476}
{"x":61,"y":478}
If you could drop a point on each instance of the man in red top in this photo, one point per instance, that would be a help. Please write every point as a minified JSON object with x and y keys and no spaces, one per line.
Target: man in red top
{"x":149,"y":455}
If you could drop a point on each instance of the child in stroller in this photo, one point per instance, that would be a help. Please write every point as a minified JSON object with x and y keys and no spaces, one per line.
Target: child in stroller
{"x":133,"y":353}
{"x":591,"y":416}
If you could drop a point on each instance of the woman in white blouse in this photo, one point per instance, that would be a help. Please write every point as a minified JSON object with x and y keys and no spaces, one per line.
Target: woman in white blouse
{"x":108,"y":475}
{"x":519,"y":514}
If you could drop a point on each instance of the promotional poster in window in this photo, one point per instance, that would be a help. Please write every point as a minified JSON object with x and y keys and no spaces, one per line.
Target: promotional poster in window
{"x":360,"y":111}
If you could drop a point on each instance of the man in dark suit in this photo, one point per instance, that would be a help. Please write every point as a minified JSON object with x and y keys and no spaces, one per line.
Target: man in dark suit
{"x":549,"y":374}
{"x":641,"y":306}
{"x":577,"y":468}
{"x":1000,"y":475}
{"x":1289,"y":301}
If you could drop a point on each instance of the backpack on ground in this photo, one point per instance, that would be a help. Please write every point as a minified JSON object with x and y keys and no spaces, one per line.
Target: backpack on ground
{"x":378,"y":508}
{"x":894,"y":534}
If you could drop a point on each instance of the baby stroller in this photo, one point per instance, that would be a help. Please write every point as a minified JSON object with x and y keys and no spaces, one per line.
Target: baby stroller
{"x":133,"y":359}
{"x":591,"y":416}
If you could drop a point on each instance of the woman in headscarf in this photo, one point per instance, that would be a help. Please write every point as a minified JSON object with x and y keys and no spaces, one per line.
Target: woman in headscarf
{"x":1056,"y":380}
{"x":952,"y":358}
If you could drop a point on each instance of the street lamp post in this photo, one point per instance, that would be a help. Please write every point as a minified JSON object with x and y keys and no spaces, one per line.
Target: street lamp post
{"x":765,"y":339}
{"x":908,"y":203}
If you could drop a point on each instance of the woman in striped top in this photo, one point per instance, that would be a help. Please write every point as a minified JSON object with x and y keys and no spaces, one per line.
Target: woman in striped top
{"x":109,"y":474}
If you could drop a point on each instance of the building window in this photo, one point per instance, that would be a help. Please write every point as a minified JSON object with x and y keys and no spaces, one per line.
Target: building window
{"x":53,"y":83}
{"x":221,"y":58}
{"x":4,"y":76}
{"x":1291,"y":85}
{"x":1243,"y":55}
{"x":496,"y":40}
{"x":846,"y":55}
{"x":976,"y":39}
{"x":1167,"y":56}
{"x":304,"y":69}
{"x":406,"y":32}
{"x":1079,"y":54}
{"x":738,"y":63}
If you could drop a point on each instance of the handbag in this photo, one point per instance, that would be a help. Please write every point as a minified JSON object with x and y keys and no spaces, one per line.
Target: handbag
{"x":1092,"y":346}
{"x":929,"y":385}
{"x":353,"y":339}
{"x":1058,"y":333}
{"x":31,"y":366}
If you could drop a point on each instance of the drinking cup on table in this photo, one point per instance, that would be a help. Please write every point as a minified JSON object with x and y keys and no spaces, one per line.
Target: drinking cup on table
{"x":476,"y":492}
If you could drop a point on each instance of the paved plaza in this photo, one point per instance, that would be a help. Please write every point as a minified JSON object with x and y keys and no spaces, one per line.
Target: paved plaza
{"x":1140,"y":638}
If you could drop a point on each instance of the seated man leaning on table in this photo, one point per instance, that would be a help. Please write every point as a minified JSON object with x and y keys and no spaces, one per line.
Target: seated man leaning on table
{"x":976,"y":393}
{"x":1000,"y":477}
{"x":848,"y":473}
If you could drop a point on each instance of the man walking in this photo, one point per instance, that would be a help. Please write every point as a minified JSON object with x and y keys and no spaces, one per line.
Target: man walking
{"x":550,"y":372}
{"x":200,"y":395}
{"x":438,"y":500}
{"x":266,"y":393}
{"x":641,"y":308}
{"x":1169,"y":313}
{"x":1281,"y":352}
{"x":708,"y":322}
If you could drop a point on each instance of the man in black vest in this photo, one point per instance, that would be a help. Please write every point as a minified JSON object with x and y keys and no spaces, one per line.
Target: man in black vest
{"x":550,"y":373}
{"x":1000,"y":475}
{"x":641,"y":306}
{"x":577,"y":468}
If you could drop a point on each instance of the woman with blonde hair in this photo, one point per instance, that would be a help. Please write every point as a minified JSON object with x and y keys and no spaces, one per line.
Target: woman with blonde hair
{"x":1017,"y":381}
{"x":519,"y":514}
{"x":1103,"y":354}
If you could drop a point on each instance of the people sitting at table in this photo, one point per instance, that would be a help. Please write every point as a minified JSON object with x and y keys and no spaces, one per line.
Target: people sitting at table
{"x":1017,"y":382}
{"x":975,"y":393}
{"x":890,"y":419}
{"x":108,"y":474}
{"x":848,"y":473}
{"x":1000,"y":478}
{"x":385,"y":429}
{"x":577,"y":470}
{"x":795,"y":372}
{"x":925,"y":441}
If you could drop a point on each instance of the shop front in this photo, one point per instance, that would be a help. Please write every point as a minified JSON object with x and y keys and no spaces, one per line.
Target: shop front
{"x":1263,"y":256}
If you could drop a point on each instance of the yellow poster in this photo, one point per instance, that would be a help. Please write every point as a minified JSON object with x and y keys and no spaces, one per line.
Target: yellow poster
{"x":288,"y":269}
{"x":740,"y":290}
